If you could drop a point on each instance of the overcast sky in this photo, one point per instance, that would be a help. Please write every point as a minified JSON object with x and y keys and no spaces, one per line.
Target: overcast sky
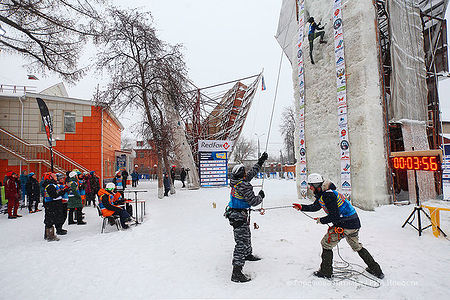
{"x":223,"y":41}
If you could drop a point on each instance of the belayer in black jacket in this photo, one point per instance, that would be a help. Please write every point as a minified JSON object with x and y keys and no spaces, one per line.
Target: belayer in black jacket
{"x":345,"y":222}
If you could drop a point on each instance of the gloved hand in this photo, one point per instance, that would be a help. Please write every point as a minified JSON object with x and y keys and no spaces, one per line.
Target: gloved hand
{"x":262,"y":159}
{"x":261,"y":194}
{"x":297,"y":206}
{"x":317,"y":220}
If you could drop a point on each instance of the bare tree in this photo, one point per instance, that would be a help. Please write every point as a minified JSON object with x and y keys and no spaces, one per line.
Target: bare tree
{"x":145,"y":75}
{"x":243,"y":148}
{"x":50,"y":33}
{"x":287,"y":129}
{"x":127,"y":142}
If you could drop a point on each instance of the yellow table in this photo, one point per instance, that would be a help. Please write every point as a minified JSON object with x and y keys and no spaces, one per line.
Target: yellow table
{"x":435,"y":218}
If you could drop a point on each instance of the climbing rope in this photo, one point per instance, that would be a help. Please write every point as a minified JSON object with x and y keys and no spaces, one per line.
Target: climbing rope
{"x":345,"y":270}
{"x":271,"y":118}
{"x":274,"y":101}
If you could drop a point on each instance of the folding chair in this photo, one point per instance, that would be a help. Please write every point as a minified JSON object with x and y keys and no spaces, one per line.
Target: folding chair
{"x":106,"y":219}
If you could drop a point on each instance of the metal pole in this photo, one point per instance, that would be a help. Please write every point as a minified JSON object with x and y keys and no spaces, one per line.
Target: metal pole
{"x":21,"y":128}
{"x":101,"y":150}
{"x":259,"y":152}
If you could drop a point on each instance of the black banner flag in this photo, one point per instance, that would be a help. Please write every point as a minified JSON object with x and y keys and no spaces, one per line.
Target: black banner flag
{"x":47,"y":120}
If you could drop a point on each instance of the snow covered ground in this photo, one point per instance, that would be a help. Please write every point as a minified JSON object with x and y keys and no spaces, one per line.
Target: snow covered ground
{"x":183,"y":250}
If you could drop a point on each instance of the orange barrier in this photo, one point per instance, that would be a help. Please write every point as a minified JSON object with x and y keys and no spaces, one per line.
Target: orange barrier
{"x":435,"y":218}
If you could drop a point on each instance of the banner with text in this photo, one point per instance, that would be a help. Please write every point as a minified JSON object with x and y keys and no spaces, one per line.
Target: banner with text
{"x":213,"y":168}
{"x":214,"y":146}
{"x":341,"y":81}
{"x":301,"y":81}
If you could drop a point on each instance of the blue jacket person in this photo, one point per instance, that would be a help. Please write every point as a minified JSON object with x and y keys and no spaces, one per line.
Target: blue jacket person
{"x":345,"y":222}
{"x":242,"y":198}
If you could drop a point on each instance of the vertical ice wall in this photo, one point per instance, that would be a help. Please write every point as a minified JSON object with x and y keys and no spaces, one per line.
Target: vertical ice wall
{"x":365,"y":111}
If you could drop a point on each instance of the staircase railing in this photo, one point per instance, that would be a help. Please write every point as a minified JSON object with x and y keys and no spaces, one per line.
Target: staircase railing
{"x":36,"y":153}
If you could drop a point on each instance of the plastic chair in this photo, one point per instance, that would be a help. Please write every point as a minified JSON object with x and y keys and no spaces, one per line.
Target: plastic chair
{"x":106,"y":219}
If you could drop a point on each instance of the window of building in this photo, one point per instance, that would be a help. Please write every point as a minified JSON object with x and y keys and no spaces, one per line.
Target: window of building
{"x":142,"y":155}
{"x":69,"y":121}
{"x":42,"y":129}
{"x":140,"y":143}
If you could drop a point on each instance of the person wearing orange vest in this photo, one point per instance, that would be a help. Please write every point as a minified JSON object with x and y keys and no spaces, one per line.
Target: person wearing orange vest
{"x":108,"y":204}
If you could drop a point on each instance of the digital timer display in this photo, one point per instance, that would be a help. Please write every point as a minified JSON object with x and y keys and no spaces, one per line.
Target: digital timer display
{"x":423,"y":163}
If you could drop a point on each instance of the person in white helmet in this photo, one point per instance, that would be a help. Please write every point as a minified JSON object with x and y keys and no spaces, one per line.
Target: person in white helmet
{"x":345,"y":224}
{"x":108,"y":204}
{"x":242,"y":198}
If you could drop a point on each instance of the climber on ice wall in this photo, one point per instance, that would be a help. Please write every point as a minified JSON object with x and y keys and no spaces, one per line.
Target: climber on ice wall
{"x":313,"y":34}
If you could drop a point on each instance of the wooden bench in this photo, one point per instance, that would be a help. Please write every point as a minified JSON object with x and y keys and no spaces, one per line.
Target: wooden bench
{"x":435,"y":219}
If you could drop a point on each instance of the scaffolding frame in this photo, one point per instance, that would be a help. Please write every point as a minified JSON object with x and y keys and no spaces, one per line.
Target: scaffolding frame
{"x":212,"y":114}
{"x":436,"y":60}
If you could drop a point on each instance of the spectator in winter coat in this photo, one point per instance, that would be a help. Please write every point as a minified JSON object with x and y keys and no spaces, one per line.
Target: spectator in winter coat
{"x":118,"y":182}
{"x":242,"y":198}
{"x":172,"y":175}
{"x":134,"y":178}
{"x":12,"y":191}
{"x":53,"y":205}
{"x":62,"y":213}
{"x":23,"y":186}
{"x":345,"y":222}
{"x":2,"y":201}
{"x":82,"y":187}
{"x":183,"y":176}
{"x":94,"y":187}
{"x":33,"y":193}
{"x":109,"y":205}
{"x":124,"y":178}
{"x":166,"y":182}
{"x":74,"y":204}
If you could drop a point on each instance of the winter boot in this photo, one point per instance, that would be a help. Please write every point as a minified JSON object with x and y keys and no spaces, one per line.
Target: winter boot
{"x":60,"y":230}
{"x":252,"y":257}
{"x":373,"y":267}
{"x":80,"y":217}
{"x":326,"y":267}
{"x":71,"y":221}
{"x":51,"y":234}
{"x":238,"y":276}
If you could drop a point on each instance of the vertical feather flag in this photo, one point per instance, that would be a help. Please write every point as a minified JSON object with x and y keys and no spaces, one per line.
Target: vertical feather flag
{"x":47,"y":120}
{"x":263,"y":84}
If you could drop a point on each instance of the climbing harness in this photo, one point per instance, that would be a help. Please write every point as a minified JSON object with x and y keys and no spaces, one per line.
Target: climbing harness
{"x":335,"y":230}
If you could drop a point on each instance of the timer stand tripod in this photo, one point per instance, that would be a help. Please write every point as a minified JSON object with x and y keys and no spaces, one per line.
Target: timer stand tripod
{"x":418,"y":208}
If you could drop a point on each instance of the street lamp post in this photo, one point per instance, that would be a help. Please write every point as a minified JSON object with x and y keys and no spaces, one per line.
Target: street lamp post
{"x":257,"y":137}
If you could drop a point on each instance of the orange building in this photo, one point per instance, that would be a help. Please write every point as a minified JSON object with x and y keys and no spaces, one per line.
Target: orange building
{"x":85,"y":136}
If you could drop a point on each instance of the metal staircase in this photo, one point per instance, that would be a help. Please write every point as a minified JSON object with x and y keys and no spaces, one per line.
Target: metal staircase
{"x":36,"y":153}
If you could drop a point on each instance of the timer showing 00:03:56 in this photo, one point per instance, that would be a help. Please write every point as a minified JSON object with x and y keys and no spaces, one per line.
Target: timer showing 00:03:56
{"x":425,"y":163}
